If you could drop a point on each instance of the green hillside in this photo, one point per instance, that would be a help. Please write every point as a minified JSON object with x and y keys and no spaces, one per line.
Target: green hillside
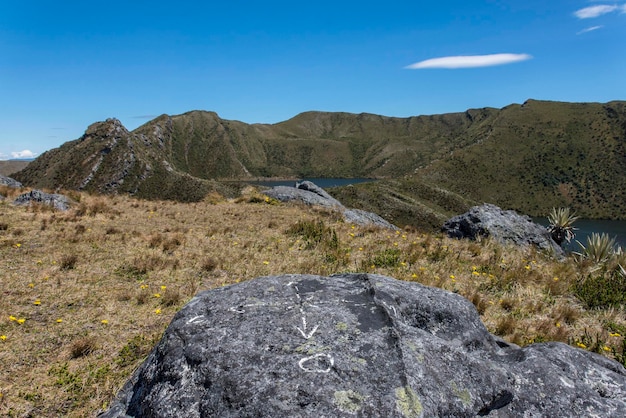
{"x":528,"y":157}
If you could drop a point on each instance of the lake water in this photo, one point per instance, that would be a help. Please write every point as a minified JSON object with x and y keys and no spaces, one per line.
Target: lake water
{"x":324,"y":183}
{"x":585,"y":227}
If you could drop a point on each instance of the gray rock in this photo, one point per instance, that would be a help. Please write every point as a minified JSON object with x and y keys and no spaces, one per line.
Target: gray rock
{"x":8,"y":181}
{"x":362,"y":217}
{"x":357,"y":345}
{"x":58,"y":201}
{"x":310,"y":194}
{"x":506,"y":226}
{"x":305,"y":192}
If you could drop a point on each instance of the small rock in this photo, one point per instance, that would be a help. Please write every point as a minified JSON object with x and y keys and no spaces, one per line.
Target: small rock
{"x":8,"y":181}
{"x":58,"y":201}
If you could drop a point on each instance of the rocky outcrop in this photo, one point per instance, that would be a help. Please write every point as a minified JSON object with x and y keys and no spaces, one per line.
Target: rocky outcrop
{"x":357,"y":345}
{"x":57,"y":201}
{"x":304,"y":192}
{"x":310,"y":194}
{"x":8,"y":181}
{"x":506,"y":226}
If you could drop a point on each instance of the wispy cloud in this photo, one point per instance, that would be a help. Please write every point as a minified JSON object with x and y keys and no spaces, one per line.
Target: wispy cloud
{"x":590,"y":29}
{"x":3,"y":156}
{"x":469,"y":61}
{"x":595,"y":11}
{"x":23,"y":154}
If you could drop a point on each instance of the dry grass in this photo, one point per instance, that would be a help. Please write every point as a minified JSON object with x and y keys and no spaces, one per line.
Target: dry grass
{"x":87,"y":293}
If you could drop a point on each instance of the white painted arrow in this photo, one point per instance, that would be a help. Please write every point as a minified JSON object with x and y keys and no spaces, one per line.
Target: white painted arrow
{"x":302,"y":330}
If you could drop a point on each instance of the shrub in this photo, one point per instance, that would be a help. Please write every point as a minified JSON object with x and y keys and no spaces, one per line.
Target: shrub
{"x":314,"y":234}
{"x":170,"y":297}
{"x":604,"y":290}
{"x":134,"y":350}
{"x":386,"y":258}
{"x":82,"y":347}
{"x":68,"y":261}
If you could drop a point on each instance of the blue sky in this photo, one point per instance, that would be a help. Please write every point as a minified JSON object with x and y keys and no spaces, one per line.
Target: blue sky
{"x":66,"y":64}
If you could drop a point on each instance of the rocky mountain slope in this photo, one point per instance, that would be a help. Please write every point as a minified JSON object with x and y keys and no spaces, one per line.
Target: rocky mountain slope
{"x":526,"y":157}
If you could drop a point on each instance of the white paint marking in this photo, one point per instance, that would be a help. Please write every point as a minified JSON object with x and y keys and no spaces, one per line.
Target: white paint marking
{"x":233,"y":309}
{"x":302,"y":330}
{"x":317,"y":368}
{"x":195,"y":319}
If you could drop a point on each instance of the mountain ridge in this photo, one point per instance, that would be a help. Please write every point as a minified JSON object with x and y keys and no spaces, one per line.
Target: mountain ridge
{"x":524,"y":156}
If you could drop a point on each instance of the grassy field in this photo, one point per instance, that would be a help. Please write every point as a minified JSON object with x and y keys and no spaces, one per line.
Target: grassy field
{"x":87,"y":293}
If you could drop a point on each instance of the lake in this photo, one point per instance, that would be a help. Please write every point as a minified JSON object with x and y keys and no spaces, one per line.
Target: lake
{"x":585,"y":227}
{"x":324,"y":183}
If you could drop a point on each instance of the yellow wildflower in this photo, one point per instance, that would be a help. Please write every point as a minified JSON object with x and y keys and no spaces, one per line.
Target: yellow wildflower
{"x":37,"y":302}
{"x":414,"y":275}
{"x":527,"y":267}
{"x":104,"y":322}
{"x":581,"y":345}
{"x":452,"y":276}
{"x":558,"y":324}
{"x":157,"y":311}
{"x":266,"y":262}
{"x":18,"y":245}
{"x":475,"y":273}
{"x":157,"y":295}
{"x":12,"y":318}
{"x":163,"y":287}
{"x":59,"y":321}
{"x":614,"y":334}
{"x":556,"y":279}
{"x":21,"y":321}
{"x":606,"y":348}
{"x":31,"y":285}
{"x":360,"y":248}
{"x":3,"y":337}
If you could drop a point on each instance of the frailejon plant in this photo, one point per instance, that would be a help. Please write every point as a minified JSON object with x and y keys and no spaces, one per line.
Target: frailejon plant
{"x":561,"y":225}
{"x":599,"y":249}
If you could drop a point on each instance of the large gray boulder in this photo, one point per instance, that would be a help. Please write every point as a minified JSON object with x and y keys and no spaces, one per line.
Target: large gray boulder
{"x":8,"y":181}
{"x":357,"y":345}
{"x":311,"y":194}
{"x":506,"y":226}
{"x":304,"y":192}
{"x":57,"y":201}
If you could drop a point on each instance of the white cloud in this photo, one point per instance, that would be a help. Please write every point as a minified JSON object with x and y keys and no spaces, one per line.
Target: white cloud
{"x":469,"y":61}
{"x":590,"y":29}
{"x":3,"y":156}
{"x":595,"y":11}
{"x":23,"y":154}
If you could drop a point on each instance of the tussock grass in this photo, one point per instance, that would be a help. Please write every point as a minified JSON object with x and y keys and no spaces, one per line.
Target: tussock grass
{"x":87,"y":296}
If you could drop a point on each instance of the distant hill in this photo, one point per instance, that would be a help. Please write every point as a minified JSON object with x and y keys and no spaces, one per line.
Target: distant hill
{"x":8,"y":167}
{"x":528,"y":157}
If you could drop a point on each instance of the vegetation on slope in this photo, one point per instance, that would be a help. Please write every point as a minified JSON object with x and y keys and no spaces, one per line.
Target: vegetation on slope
{"x":529,"y":157}
{"x":542,"y":155}
{"x":87,"y":293}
